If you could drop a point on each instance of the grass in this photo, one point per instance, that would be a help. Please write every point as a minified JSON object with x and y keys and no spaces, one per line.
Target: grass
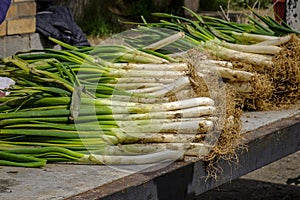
{"x":98,"y":20}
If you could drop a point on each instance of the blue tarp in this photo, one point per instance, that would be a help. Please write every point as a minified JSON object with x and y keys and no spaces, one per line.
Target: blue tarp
{"x":4,"y":5}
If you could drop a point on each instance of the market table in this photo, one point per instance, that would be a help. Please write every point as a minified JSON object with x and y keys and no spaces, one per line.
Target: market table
{"x":269,"y":136}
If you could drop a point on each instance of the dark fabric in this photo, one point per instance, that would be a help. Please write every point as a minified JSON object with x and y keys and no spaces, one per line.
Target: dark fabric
{"x":42,"y":4}
{"x":58,"y":22}
{"x":4,"y":5}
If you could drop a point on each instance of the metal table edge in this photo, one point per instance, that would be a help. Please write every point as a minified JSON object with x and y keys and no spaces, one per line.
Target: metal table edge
{"x":185,"y":180}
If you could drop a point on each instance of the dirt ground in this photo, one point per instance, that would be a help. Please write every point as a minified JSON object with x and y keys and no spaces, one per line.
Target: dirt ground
{"x":268,"y":183}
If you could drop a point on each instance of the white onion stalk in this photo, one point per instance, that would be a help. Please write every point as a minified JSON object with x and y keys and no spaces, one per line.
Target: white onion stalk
{"x":259,"y":49}
{"x":227,"y":73}
{"x":139,"y":149}
{"x":229,"y":54}
{"x":166,"y":155}
{"x":148,"y":90}
{"x":165,"y":42}
{"x":164,"y":90}
{"x":188,"y":103}
{"x":139,"y":55}
{"x":132,"y":86}
{"x":252,"y":37}
{"x":221,"y":63}
{"x":151,"y":67}
{"x":146,"y":73}
{"x":275,"y":42}
{"x":191,"y":149}
{"x":137,"y":99}
{"x":163,"y":121}
{"x":131,"y":149}
{"x":170,"y":89}
{"x":140,"y":80}
{"x":200,"y":126}
{"x":166,"y":137}
{"x":155,"y":137}
{"x":174,"y":105}
{"x":123,"y":114}
{"x":165,"y":67}
{"x":199,"y":111}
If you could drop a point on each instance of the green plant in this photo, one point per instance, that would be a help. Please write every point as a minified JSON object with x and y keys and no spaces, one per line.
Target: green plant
{"x":214,"y":5}
{"x":251,"y":3}
{"x":97,"y":20}
{"x":145,"y":8}
{"x":101,"y":17}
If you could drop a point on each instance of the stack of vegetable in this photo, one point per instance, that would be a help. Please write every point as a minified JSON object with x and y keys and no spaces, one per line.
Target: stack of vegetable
{"x":262,"y":54}
{"x":71,"y":105}
{"x":159,"y":98}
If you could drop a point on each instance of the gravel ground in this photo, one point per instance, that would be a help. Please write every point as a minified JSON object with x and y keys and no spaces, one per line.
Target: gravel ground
{"x":268,"y":183}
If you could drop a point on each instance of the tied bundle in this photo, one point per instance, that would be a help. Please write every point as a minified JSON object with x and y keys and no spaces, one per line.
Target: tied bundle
{"x":258,"y":59}
{"x":73,"y":105}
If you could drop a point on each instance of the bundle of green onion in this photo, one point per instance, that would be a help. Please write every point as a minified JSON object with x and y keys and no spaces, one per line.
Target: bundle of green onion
{"x":250,"y":50}
{"x":71,"y":105}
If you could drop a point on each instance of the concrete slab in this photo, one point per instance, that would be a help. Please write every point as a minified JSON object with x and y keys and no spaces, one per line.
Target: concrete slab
{"x":10,"y":45}
{"x":253,"y":120}
{"x":55,"y":181}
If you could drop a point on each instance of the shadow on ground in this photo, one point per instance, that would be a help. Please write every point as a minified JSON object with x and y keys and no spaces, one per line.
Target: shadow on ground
{"x":252,"y":189}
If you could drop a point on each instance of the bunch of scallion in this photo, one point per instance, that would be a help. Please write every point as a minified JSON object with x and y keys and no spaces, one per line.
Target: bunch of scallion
{"x":252,"y":42}
{"x":255,"y":43}
{"x":75,"y":105}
